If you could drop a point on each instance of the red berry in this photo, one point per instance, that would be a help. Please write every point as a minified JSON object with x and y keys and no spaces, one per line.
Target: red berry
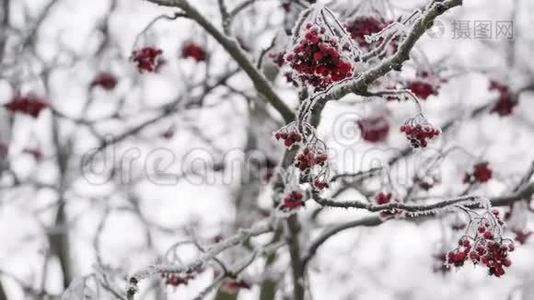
{"x":193,"y":50}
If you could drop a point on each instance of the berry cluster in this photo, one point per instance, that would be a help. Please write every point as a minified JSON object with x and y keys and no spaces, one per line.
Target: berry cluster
{"x":147,"y":59}
{"x":289,"y":137}
{"x":194,"y":51}
{"x":506,"y":103}
{"x":364,"y":26}
{"x":374,"y":129}
{"x":309,"y":158}
{"x":320,"y":185}
{"x":383,"y":198}
{"x":422,"y":89}
{"x":176,"y":279}
{"x":425,"y":85}
{"x":484,"y":245}
{"x":292,"y":201}
{"x":419,"y":134}
{"x":485,"y":250}
{"x":105,"y":80}
{"x":318,"y":60}
{"x":481,"y":174}
{"x":29,"y":105}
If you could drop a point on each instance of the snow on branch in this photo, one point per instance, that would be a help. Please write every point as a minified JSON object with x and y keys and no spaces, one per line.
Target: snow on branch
{"x":359,"y":84}
{"x":209,"y":255}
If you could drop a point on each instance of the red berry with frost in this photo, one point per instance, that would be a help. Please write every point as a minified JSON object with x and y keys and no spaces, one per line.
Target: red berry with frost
{"x":317,"y":60}
{"x":292,"y":201}
{"x":419,"y":134}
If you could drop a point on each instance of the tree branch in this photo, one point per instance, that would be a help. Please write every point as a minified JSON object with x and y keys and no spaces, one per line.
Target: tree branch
{"x":261,"y":84}
{"x":207,"y":256}
{"x":360,"y":84}
{"x":522,"y":195}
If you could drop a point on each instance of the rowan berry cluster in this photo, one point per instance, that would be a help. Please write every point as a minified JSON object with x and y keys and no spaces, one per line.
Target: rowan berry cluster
{"x":320,"y":185}
{"x":147,"y":59}
{"x":483,"y":245}
{"x":29,"y":105}
{"x":422,"y":89}
{"x":290,"y":137}
{"x":363,"y":26}
{"x":105,"y":80}
{"x":373,"y":129}
{"x":505,"y":103}
{"x":193,"y":50}
{"x":425,"y":85}
{"x":308,"y":158}
{"x":481,"y":173}
{"x":292,"y":201}
{"x":177,"y":279}
{"x":318,"y":60}
{"x":419,"y":133}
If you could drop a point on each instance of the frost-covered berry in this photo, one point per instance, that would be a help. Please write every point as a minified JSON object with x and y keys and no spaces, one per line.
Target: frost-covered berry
{"x":317,"y":59}
{"x":292,"y":201}
{"x":290,"y":137}
{"x":419,"y":133}
{"x":481,"y":173}
{"x":363,"y":26}
{"x":308,"y":158}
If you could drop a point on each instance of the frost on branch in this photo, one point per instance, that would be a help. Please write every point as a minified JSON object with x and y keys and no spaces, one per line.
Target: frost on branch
{"x":311,"y":160}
